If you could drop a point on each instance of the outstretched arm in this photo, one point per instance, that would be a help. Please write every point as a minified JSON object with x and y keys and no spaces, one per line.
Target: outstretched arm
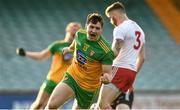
{"x":42,"y":55}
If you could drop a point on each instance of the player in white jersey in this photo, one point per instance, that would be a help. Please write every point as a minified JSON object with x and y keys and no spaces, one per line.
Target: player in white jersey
{"x":128,"y":47}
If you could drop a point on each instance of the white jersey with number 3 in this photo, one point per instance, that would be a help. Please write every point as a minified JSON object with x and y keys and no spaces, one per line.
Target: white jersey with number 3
{"x":133,"y":37}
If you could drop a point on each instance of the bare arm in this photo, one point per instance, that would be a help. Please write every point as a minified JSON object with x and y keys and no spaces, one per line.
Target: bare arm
{"x":44,"y":54}
{"x":141,"y":59}
{"x":107,"y":69}
{"x":107,"y":74}
{"x":116,"y":46}
{"x":70,"y":48}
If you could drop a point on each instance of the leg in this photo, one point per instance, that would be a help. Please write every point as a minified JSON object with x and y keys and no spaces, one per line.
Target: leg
{"x":43,"y":95}
{"x":84,"y":99}
{"x":93,"y":107}
{"x":75,"y":105}
{"x":41,"y":100}
{"x":122,"y":107}
{"x":123,"y":79}
{"x":123,"y":101}
{"x":60,"y":95}
{"x":107,"y":94}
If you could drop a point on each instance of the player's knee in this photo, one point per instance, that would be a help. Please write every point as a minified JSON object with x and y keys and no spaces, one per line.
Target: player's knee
{"x":51,"y":106}
{"x":37,"y":105}
{"x":105,"y":105}
{"x":94,"y":106}
{"x":122,"y":106}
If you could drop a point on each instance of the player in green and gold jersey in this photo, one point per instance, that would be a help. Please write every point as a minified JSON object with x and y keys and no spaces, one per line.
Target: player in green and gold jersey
{"x":59,"y":65}
{"x":91,"y":64}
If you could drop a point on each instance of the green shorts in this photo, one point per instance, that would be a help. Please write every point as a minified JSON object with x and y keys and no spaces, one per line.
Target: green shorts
{"x":48,"y":86}
{"x":84,"y":98}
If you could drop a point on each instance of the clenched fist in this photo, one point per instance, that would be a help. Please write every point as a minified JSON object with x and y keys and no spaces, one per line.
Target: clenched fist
{"x":106,"y":78}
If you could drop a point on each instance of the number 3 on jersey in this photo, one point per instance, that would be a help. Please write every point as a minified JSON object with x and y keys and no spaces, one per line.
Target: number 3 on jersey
{"x":138,"y":41}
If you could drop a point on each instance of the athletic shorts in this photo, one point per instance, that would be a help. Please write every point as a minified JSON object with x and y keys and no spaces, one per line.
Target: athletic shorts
{"x":48,"y":86}
{"x":123,"y":78}
{"x":84,"y":98}
{"x":124,"y":98}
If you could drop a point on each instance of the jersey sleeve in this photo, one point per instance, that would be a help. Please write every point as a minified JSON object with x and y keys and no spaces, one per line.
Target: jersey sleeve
{"x":108,"y":58}
{"x":80,"y":36}
{"x":119,"y":33}
{"x":53,"y":46}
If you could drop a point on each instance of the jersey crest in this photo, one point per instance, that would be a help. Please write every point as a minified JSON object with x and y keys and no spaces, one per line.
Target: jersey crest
{"x":86,"y":46}
{"x":91,"y":53}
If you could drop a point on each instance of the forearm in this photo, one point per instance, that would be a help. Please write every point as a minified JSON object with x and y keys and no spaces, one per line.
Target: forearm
{"x":72,"y":46}
{"x":107,"y":69}
{"x":116,"y":46}
{"x":139,"y":64}
{"x":141,"y":59}
{"x":107,"y":74}
{"x":115,"y":52}
{"x":45,"y":54}
{"x":34,"y":55}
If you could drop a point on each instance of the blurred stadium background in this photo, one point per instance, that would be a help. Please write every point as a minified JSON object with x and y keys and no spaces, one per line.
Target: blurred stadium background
{"x":34,"y":24}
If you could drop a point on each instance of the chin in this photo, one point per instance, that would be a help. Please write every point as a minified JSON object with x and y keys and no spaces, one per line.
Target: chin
{"x":91,"y":38}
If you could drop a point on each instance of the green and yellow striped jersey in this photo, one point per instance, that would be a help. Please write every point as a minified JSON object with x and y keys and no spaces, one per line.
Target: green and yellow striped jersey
{"x":89,"y":56}
{"x":58,"y":65}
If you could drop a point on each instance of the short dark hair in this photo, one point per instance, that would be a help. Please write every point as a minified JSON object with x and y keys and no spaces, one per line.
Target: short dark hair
{"x":115,"y":6}
{"x":94,"y":18}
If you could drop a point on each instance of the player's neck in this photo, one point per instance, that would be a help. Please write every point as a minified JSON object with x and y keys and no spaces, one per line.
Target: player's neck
{"x":122,"y":19}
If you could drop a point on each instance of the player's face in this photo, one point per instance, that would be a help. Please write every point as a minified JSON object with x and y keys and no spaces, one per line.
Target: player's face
{"x":73,"y":28}
{"x":94,"y":31}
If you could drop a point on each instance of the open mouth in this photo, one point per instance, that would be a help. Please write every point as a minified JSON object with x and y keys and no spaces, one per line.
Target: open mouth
{"x":93,"y":35}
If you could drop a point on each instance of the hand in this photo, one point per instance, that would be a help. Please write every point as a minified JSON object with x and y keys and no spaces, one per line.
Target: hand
{"x":65,"y":50}
{"x":20,"y":52}
{"x":106,"y":78}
